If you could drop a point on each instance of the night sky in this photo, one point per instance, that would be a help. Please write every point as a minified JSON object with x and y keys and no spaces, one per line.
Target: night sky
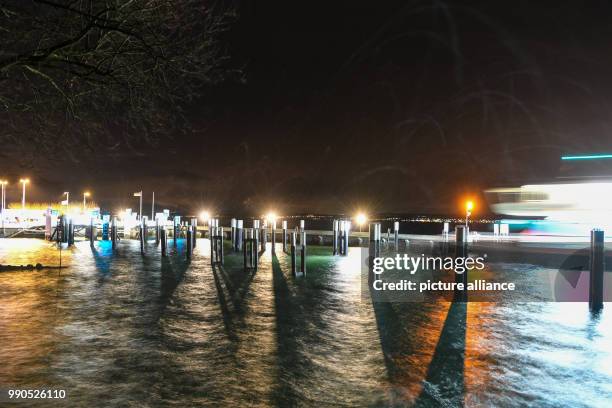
{"x":392,"y":107}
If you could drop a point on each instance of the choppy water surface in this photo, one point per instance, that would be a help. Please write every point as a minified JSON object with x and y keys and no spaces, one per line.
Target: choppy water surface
{"x":126,"y":330}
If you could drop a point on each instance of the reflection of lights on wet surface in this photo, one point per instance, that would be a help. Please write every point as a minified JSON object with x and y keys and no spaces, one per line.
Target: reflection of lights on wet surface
{"x":254,"y":335}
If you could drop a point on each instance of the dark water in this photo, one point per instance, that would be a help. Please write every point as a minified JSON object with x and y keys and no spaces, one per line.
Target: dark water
{"x":127,"y":330}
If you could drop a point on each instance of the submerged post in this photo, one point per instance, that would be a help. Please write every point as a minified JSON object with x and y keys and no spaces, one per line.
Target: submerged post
{"x":114,"y":233}
{"x":335,"y":238}
{"x":396,"y":235}
{"x":284,"y":225}
{"x":164,"y":242}
{"x":239,"y":235}
{"x":293,"y":258}
{"x":302,"y":228}
{"x":597,"y":269}
{"x":141,"y":236}
{"x":91,"y":232}
{"x":461,"y":252}
{"x":194,"y":234}
{"x":176,"y":228}
{"x":303,"y":253}
{"x":233,"y":232}
{"x":219,"y":239}
{"x":157,"y":234}
{"x":216,"y":243}
{"x":257,"y":227}
{"x":342,"y":236}
{"x":345,"y":229}
{"x":347,"y":232}
{"x":70,"y":232}
{"x":273,"y":228}
{"x":263,"y":236}
{"x":374,"y":239}
{"x":249,"y":249}
{"x":145,"y":229}
{"x":189,"y":243}
{"x":212,"y":233}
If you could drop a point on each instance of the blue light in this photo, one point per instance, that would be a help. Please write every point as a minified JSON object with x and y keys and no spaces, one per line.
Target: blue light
{"x":588,"y":157}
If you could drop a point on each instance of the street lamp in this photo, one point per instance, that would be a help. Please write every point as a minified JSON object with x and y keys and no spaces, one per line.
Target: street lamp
{"x":469,"y":206}
{"x":205,"y":216}
{"x":85,"y":195}
{"x":271,"y":218}
{"x":23,"y":181}
{"x":361,"y":219}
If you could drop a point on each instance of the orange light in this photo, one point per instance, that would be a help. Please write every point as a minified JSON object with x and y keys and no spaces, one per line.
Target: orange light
{"x":469,"y":206}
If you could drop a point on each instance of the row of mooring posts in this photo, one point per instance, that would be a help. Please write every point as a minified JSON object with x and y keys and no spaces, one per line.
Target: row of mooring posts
{"x":65,"y":230}
{"x":340,"y":240}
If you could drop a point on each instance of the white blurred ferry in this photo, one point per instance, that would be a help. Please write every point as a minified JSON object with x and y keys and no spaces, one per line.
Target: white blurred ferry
{"x":570,"y":205}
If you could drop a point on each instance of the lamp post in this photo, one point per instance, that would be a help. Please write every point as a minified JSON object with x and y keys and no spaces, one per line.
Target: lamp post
{"x":85,"y":195}
{"x":469,"y":206}
{"x":23,"y":182}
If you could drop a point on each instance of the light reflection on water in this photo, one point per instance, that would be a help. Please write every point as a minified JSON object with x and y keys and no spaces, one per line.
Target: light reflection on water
{"x":124,"y":329}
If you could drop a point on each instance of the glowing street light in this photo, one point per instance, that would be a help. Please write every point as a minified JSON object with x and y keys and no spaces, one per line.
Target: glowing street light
{"x":23,"y":181}
{"x":271,"y":218}
{"x":85,"y":195}
{"x":205,"y":216}
{"x":469,"y":206}
{"x":361,"y":219}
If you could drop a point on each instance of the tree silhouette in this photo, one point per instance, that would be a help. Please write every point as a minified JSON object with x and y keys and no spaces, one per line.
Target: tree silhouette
{"x":110,"y":73}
